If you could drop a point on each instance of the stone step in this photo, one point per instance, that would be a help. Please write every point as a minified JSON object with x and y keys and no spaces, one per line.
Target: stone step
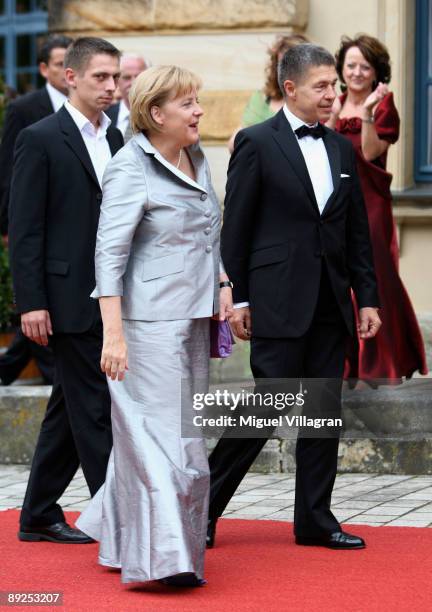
{"x":388,"y":430}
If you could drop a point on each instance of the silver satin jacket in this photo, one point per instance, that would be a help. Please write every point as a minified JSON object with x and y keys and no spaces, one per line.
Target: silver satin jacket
{"x":158,"y":238}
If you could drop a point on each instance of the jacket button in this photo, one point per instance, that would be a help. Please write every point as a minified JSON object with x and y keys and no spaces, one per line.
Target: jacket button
{"x":207,"y":231}
{"x":203,"y":196}
{"x":99,"y":196}
{"x":208,"y":249}
{"x":321,"y":222}
{"x":207,"y":213}
{"x":319,"y":253}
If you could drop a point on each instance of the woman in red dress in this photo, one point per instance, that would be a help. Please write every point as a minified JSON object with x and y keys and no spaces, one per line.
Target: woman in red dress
{"x":366,"y":114}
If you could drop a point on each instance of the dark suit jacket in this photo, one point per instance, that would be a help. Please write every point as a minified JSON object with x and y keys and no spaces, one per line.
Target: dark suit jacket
{"x":113,"y":113}
{"x":20,"y":113}
{"x":54,"y":213}
{"x":274,"y":240}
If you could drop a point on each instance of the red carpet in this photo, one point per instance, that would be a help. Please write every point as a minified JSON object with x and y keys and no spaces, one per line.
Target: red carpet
{"x":255,"y":567}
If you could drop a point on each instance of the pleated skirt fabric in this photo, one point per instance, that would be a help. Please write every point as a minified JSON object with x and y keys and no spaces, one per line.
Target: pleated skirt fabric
{"x":150,"y":516}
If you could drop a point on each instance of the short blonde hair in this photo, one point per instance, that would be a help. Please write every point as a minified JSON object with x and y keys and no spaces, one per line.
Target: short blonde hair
{"x":154,"y":87}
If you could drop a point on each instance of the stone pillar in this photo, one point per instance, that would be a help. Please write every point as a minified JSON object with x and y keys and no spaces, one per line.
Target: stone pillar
{"x":396,"y":28}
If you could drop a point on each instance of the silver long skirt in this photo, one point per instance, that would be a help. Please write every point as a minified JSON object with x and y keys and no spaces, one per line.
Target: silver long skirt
{"x":150,"y":516}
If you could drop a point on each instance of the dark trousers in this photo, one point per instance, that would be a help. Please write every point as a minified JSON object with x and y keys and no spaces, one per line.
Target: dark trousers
{"x":19,"y":353}
{"x":317,"y":354}
{"x":76,"y":428}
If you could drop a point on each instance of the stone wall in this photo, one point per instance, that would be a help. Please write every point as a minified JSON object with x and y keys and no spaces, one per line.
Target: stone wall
{"x":386,"y":431}
{"x":75,"y":16}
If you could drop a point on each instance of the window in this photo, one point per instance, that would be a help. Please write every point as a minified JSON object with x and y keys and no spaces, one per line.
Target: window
{"x":423,"y":114}
{"x":22,"y":22}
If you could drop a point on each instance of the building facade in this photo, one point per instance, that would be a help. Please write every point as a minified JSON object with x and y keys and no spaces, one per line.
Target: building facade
{"x":22,"y":23}
{"x":225,"y":42}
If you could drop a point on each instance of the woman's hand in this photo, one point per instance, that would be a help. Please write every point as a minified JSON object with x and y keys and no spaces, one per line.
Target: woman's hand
{"x":375,"y":97}
{"x":114,"y":355}
{"x":225,"y":303}
{"x":336,"y":109}
{"x":334,"y":115}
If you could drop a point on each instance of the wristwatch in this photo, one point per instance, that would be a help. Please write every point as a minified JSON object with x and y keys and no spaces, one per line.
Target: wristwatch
{"x":226,"y":284}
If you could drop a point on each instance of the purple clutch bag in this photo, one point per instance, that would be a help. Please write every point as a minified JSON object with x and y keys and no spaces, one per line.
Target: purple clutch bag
{"x":221,"y":338}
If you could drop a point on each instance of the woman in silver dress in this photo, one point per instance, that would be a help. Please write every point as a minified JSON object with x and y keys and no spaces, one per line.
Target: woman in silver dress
{"x":158,"y":276}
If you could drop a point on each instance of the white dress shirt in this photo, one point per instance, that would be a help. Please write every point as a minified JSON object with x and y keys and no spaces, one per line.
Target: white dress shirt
{"x":57,"y":97}
{"x":123,"y":117}
{"x":94,"y":139}
{"x":317,"y":163}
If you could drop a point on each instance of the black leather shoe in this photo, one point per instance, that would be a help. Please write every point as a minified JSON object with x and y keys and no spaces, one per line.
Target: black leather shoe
{"x":211,"y":533}
{"x":60,"y":533}
{"x":338,"y":540}
{"x":183,"y":580}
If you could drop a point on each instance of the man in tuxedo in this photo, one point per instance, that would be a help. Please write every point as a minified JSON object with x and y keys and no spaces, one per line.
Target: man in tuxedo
{"x":54,"y":213}
{"x":21,"y":113}
{"x":295,"y":240}
{"x":130,"y":67}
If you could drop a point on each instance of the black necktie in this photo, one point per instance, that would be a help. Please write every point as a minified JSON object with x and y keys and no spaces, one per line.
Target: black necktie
{"x":317,"y":131}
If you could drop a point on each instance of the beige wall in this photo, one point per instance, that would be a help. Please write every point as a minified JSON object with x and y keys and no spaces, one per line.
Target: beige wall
{"x":415,"y":267}
{"x":329,"y":20}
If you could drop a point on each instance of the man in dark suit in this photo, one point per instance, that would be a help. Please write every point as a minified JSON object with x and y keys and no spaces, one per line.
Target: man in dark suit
{"x":130,"y":67}
{"x":54,"y":213}
{"x":21,"y":113}
{"x":295,"y":240}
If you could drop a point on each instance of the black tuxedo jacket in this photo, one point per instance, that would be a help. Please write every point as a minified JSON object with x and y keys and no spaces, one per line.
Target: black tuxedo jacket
{"x":53,"y":219}
{"x":274,"y":240}
{"x":20,"y":113}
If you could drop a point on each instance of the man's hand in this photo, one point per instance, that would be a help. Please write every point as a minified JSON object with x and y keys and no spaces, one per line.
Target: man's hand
{"x":36,"y":325}
{"x":369,"y":323}
{"x":240,"y":322}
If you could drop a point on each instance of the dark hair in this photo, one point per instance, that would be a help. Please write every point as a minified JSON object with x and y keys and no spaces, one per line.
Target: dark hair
{"x":83,"y":49}
{"x":297,"y":61}
{"x":281,"y":44}
{"x":372,"y":50}
{"x":55,"y":41}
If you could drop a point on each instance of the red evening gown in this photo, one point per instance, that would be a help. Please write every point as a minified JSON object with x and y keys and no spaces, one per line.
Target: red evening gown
{"x":398,"y":348}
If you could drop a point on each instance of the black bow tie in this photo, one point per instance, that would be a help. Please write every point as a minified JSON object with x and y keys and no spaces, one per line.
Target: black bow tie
{"x":317,"y":131}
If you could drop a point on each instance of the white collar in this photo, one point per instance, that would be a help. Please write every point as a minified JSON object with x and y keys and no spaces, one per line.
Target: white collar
{"x":83,"y":123}
{"x":293,"y":120}
{"x":124,"y":112}
{"x":194,"y":150}
{"x":57,"y":97}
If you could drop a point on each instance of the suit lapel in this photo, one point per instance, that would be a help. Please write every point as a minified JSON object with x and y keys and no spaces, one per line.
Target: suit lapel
{"x":75,"y":141}
{"x":333,"y":153}
{"x":45,"y":105}
{"x":113,"y":140}
{"x":287,"y":141}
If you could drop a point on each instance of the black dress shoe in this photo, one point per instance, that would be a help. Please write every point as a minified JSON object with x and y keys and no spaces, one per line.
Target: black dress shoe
{"x":211,"y":533}
{"x":183,"y":580}
{"x":60,"y":533}
{"x":338,"y":540}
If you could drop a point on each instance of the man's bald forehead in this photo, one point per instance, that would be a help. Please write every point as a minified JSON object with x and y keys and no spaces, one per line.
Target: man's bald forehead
{"x":130,"y":60}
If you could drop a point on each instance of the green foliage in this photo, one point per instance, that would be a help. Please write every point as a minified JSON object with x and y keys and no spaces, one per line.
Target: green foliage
{"x":6,"y":298}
